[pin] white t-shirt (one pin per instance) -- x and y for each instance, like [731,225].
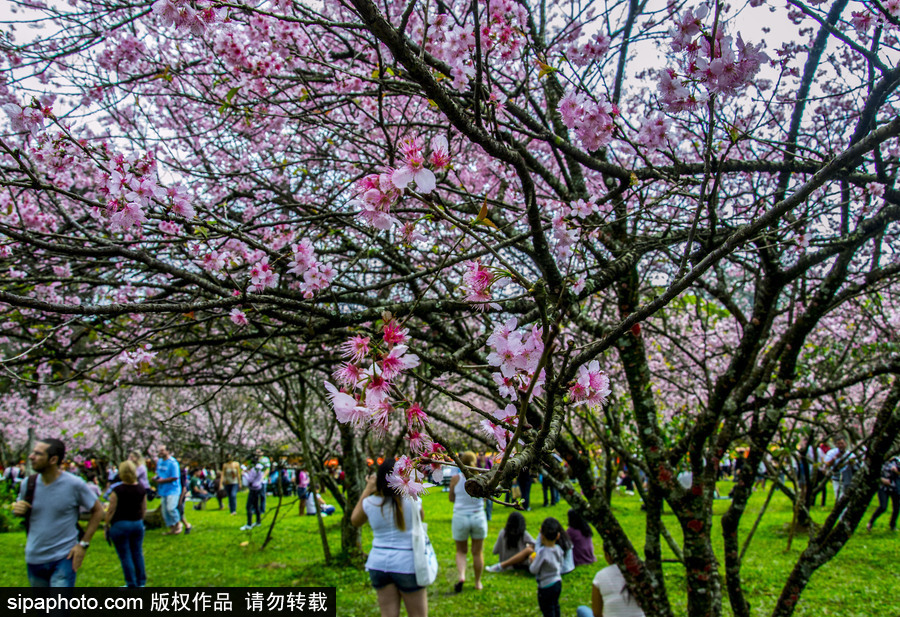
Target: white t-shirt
[391,548]
[616,603]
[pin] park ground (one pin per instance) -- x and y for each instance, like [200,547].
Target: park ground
[862,581]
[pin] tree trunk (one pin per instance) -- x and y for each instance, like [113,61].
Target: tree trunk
[354,466]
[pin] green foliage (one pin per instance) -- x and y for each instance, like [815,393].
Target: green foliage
[8,522]
[852,585]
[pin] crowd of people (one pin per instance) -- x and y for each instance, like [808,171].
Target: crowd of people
[58,495]
[391,564]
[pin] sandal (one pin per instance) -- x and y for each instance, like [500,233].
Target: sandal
[458,586]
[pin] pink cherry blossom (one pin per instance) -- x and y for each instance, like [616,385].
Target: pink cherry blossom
[396,361]
[413,170]
[346,408]
[262,276]
[238,317]
[356,348]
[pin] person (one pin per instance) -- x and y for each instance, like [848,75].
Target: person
[125,524]
[197,490]
[217,489]
[182,498]
[547,486]
[888,489]
[168,483]
[231,477]
[390,563]
[547,567]
[140,467]
[514,545]
[313,498]
[609,594]
[469,521]
[53,551]
[821,476]
[581,535]
[524,481]
[302,489]
[488,503]
[841,463]
[266,469]
[94,486]
[11,475]
[253,476]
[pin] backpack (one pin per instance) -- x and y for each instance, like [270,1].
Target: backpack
[29,497]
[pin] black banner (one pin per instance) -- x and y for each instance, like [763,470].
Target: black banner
[173,601]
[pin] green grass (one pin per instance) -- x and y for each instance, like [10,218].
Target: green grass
[860,582]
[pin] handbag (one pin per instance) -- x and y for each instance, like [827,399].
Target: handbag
[423,553]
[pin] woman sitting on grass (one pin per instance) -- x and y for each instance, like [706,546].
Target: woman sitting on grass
[609,594]
[390,564]
[514,545]
[581,535]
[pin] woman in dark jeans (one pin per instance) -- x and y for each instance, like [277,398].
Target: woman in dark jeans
[125,524]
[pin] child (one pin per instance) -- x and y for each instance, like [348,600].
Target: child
[547,566]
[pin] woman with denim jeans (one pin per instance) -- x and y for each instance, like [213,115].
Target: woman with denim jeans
[125,524]
[390,563]
[231,479]
[253,478]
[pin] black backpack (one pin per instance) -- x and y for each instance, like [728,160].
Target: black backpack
[29,497]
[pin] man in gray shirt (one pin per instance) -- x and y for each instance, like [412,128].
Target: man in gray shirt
[53,552]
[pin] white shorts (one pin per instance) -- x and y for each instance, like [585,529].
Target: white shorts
[467,525]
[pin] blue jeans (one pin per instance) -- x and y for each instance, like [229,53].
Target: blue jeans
[253,505]
[51,574]
[548,599]
[262,498]
[169,506]
[128,538]
[231,490]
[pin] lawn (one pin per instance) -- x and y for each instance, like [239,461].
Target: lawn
[860,582]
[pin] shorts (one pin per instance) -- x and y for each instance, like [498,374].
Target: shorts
[467,525]
[406,583]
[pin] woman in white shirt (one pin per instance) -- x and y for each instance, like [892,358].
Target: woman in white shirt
[390,564]
[609,594]
[469,521]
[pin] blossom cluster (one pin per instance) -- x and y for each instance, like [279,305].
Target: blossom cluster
[712,60]
[863,20]
[592,120]
[591,387]
[594,49]
[477,282]
[377,193]
[567,221]
[25,119]
[140,358]
[454,43]
[516,353]
[304,263]
[129,188]
[184,16]
[365,395]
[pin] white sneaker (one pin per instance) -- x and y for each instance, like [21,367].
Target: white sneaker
[246,527]
[255,525]
[495,568]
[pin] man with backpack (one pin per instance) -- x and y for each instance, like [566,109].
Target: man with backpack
[49,501]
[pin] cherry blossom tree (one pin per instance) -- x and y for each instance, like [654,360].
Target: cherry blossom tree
[540,224]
